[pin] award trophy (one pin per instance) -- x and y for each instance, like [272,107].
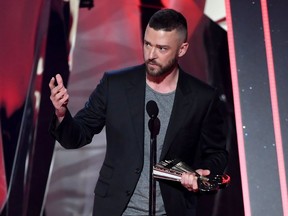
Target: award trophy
[173,169]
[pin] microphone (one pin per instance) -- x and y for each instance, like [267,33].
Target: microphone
[154,127]
[152,109]
[154,122]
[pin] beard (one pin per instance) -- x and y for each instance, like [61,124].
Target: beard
[158,70]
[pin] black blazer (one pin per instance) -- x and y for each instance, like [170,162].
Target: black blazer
[196,134]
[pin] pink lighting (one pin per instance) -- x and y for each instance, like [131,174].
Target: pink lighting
[275,108]
[237,107]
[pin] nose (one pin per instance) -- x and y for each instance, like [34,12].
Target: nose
[152,53]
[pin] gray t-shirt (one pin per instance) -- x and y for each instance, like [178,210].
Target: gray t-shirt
[139,202]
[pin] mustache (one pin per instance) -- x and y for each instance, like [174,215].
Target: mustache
[152,61]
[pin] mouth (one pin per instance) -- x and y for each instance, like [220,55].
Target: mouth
[153,64]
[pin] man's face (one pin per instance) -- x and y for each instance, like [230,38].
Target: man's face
[161,51]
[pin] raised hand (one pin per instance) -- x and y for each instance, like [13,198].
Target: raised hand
[59,96]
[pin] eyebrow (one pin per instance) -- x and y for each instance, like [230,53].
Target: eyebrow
[157,45]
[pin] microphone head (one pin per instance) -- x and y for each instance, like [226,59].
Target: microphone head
[152,109]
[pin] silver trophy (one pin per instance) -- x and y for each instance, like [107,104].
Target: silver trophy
[173,169]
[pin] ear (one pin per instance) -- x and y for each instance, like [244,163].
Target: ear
[183,49]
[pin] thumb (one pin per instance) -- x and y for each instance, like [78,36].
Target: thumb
[203,172]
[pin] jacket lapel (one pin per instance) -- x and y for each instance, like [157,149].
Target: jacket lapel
[181,106]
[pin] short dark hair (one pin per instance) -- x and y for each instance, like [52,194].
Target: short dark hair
[168,20]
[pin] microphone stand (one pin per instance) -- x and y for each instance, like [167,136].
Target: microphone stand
[154,127]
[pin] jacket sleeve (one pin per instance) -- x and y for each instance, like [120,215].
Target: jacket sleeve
[75,132]
[213,137]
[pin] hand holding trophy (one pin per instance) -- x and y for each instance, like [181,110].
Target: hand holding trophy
[173,169]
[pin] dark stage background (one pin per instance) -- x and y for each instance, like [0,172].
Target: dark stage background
[258,44]
[41,38]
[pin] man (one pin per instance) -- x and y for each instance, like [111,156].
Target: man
[192,125]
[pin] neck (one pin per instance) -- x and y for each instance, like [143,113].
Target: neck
[164,84]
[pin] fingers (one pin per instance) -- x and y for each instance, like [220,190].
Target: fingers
[59,80]
[59,95]
[52,83]
[189,181]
